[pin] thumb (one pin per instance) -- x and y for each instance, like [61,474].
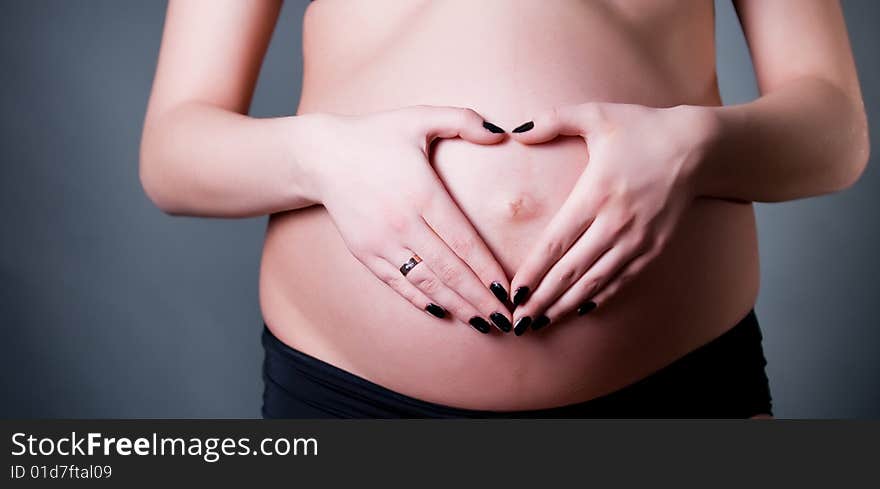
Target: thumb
[571,120]
[452,122]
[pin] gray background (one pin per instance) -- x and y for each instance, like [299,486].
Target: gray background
[109,308]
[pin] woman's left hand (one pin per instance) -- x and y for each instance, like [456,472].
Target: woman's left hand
[622,211]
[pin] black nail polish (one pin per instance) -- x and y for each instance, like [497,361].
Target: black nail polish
[525,127]
[522,324]
[501,321]
[520,295]
[480,324]
[492,127]
[540,322]
[499,291]
[586,307]
[436,310]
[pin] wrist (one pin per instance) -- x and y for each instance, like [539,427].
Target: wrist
[701,126]
[304,139]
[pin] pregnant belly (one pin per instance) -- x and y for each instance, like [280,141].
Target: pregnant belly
[316,297]
[510,191]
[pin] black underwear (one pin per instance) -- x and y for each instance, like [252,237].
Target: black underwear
[724,378]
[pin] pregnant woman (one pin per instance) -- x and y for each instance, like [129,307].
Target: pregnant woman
[512,208]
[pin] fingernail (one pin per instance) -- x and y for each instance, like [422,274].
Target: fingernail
[522,324]
[586,307]
[525,127]
[480,324]
[520,295]
[499,291]
[436,310]
[501,321]
[540,322]
[492,127]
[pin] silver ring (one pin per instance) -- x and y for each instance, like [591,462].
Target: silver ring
[410,264]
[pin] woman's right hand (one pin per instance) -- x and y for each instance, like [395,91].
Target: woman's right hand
[373,175]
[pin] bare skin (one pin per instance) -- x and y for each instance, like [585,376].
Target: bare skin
[632,189]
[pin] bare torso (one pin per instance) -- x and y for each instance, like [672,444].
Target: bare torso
[508,60]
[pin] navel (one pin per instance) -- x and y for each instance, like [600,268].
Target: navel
[521,206]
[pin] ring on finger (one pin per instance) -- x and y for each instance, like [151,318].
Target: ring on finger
[410,264]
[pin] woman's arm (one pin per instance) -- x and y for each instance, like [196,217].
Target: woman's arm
[201,160]
[200,155]
[807,134]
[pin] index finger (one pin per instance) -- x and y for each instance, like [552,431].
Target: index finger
[571,221]
[449,222]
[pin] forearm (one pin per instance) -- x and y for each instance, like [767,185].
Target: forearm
[203,160]
[805,138]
